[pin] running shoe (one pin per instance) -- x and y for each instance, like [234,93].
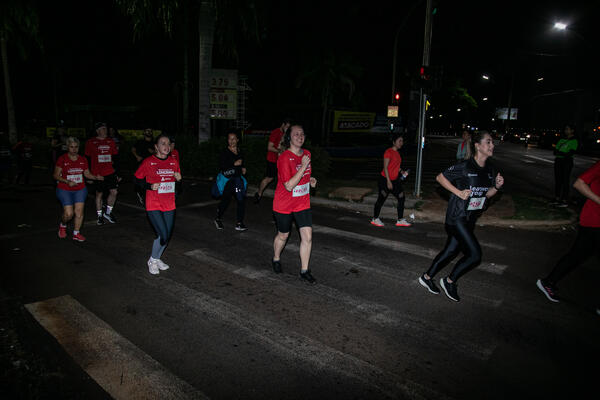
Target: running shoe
[548,290]
[240,227]
[161,265]
[277,267]
[100,220]
[79,237]
[62,231]
[219,223]
[429,284]
[376,222]
[110,218]
[307,277]
[403,222]
[153,266]
[257,198]
[450,289]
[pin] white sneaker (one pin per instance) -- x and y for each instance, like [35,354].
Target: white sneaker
[403,222]
[376,222]
[153,266]
[161,265]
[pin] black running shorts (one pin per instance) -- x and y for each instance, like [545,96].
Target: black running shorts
[109,182]
[284,221]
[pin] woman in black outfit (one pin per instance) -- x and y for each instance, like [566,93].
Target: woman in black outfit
[471,183]
[231,164]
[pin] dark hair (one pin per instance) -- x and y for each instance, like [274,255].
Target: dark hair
[162,135]
[396,135]
[287,136]
[286,120]
[477,137]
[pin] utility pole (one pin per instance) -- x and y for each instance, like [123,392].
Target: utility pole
[423,95]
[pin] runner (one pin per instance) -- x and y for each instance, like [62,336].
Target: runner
[563,164]
[159,175]
[70,189]
[390,181]
[587,242]
[273,150]
[100,152]
[463,151]
[292,199]
[174,152]
[471,183]
[233,171]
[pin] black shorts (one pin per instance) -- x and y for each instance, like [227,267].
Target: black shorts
[284,221]
[271,171]
[397,187]
[109,182]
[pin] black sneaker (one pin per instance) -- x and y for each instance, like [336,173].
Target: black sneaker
[100,220]
[307,277]
[277,267]
[450,289]
[256,198]
[240,227]
[219,223]
[428,283]
[110,218]
[548,290]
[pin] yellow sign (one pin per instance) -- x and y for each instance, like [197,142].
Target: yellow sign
[427,104]
[351,121]
[392,111]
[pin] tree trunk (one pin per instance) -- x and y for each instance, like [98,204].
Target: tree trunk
[206,23]
[10,105]
[186,74]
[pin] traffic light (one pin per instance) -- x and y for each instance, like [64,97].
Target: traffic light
[397,96]
[430,76]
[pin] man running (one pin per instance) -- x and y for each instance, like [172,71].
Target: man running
[100,152]
[273,150]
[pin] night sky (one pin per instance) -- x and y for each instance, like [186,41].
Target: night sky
[89,57]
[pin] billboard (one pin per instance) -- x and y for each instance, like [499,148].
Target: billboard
[223,93]
[352,121]
[502,112]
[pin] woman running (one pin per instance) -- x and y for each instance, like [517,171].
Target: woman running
[471,183]
[158,175]
[292,199]
[390,181]
[69,171]
[232,167]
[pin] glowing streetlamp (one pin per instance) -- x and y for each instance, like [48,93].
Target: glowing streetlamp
[561,26]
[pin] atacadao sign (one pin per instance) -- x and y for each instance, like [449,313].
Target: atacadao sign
[352,121]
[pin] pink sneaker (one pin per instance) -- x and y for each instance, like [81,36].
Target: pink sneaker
[62,232]
[376,222]
[79,237]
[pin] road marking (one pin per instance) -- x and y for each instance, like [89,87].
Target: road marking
[201,204]
[292,345]
[122,369]
[539,158]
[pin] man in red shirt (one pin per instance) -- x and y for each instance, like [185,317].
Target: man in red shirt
[587,242]
[273,150]
[101,152]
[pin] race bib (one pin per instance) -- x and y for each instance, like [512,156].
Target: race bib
[104,158]
[75,178]
[166,187]
[476,203]
[301,190]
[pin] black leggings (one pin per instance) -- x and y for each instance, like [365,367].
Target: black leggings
[460,239]
[587,243]
[562,177]
[240,196]
[396,191]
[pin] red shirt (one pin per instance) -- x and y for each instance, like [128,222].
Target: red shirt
[394,165]
[275,138]
[590,213]
[299,198]
[72,171]
[24,150]
[175,154]
[155,170]
[100,152]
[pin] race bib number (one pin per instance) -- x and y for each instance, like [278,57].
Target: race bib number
[476,203]
[301,190]
[104,158]
[75,178]
[166,187]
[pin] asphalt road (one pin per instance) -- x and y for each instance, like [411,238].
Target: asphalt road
[221,322]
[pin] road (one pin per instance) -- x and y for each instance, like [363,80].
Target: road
[220,324]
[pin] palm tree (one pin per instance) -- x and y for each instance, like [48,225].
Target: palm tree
[18,22]
[326,78]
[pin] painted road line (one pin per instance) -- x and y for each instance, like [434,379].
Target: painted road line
[200,204]
[377,313]
[540,158]
[121,368]
[395,245]
[291,345]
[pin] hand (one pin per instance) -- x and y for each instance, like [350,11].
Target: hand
[237,163]
[464,194]
[99,178]
[71,183]
[499,181]
[313,182]
[390,185]
[177,176]
[305,161]
[405,173]
[243,171]
[155,186]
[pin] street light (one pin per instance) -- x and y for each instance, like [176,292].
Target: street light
[561,26]
[484,99]
[540,79]
[486,77]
